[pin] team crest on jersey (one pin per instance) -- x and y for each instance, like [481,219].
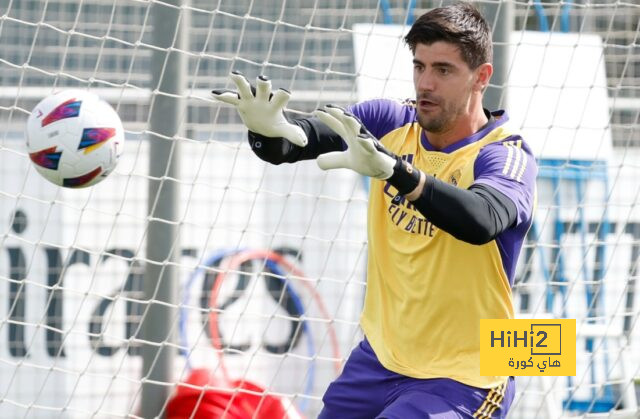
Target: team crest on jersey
[455,177]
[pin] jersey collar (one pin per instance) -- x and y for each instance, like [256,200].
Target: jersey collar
[496,118]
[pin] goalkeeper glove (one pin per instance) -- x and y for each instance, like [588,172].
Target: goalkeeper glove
[365,154]
[262,111]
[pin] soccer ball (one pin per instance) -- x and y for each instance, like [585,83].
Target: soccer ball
[74,138]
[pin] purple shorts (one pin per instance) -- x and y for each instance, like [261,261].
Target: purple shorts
[366,389]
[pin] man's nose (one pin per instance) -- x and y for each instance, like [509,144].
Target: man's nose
[425,82]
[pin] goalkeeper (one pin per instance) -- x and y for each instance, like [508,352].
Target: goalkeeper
[450,203]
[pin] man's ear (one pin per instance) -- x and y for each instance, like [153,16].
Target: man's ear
[483,75]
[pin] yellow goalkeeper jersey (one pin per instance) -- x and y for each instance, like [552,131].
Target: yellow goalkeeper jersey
[426,290]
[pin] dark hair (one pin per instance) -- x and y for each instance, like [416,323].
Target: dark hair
[460,24]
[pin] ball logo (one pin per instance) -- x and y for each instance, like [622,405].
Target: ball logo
[68,109]
[93,138]
[48,158]
[79,181]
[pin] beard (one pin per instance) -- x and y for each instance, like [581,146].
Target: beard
[447,113]
[435,124]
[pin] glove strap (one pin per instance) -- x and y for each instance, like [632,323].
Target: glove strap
[405,177]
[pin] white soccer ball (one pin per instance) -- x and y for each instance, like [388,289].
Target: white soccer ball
[74,138]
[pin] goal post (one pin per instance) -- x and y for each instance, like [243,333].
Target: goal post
[253,275]
[161,281]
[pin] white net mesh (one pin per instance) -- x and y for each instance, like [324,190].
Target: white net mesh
[272,258]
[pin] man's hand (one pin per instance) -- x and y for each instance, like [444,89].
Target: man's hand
[365,154]
[262,113]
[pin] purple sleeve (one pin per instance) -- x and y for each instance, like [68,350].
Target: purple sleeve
[381,116]
[509,167]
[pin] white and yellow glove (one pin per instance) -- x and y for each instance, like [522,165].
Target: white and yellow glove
[261,110]
[364,154]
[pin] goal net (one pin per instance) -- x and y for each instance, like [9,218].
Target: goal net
[256,304]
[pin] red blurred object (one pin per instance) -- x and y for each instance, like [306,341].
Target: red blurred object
[226,399]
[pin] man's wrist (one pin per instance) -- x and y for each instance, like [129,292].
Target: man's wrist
[415,194]
[405,178]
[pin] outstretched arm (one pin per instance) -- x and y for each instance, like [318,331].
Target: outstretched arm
[475,215]
[275,136]
[320,140]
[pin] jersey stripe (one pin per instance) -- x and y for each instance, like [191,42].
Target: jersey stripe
[523,166]
[516,163]
[491,402]
[479,413]
[505,169]
[498,401]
